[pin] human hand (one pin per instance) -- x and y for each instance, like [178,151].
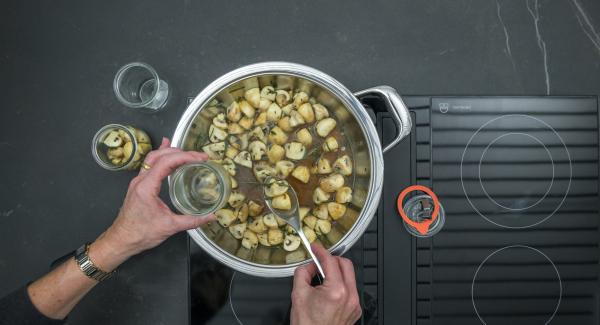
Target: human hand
[144,220]
[335,302]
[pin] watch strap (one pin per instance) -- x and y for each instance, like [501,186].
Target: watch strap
[87,266]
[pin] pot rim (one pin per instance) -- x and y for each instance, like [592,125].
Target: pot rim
[350,102]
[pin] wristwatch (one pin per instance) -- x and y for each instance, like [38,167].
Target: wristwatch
[87,266]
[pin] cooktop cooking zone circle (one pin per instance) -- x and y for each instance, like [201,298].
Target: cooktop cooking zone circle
[508,178]
[517,280]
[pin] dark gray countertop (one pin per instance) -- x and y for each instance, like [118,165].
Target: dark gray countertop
[58,59]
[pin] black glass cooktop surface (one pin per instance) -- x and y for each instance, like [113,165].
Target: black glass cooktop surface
[518,178]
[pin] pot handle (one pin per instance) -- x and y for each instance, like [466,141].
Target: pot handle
[394,105]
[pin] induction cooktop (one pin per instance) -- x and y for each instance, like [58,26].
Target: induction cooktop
[518,178]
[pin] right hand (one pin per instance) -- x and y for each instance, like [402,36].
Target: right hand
[335,302]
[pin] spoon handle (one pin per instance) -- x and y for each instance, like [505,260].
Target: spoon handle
[312,255]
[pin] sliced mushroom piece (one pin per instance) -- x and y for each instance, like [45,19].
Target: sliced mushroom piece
[263,239]
[257,149]
[229,166]
[234,113]
[262,170]
[276,187]
[254,209]
[282,97]
[304,136]
[247,109]
[144,148]
[213,150]
[275,153]
[296,256]
[303,212]
[141,136]
[250,240]
[237,231]
[324,166]
[295,150]
[220,121]
[113,140]
[216,135]
[330,144]
[270,220]
[261,119]
[296,119]
[343,195]
[239,142]
[268,92]
[343,165]
[325,126]
[231,152]
[321,212]
[291,243]
[284,168]
[225,217]
[118,152]
[284,124]
[332,183]
[290,230]
[320,112]
[243,159]
[274,113]
[275,236]
[300,98]
[246,123]
[310,234]
[234,183]
[276,135]
[320,196]
[336,210]
[323,227]
[264,105]
[124,135]
[241,212]
[307,112]
[253,97]
[116,161]
[257,225]
[235,128]
[287,109]
[259,133]
[236,199]
[310,221]
[282,202]
[302,174]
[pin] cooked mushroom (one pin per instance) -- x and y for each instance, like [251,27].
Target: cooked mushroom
[253,97]
[284,168]
[332,183]
[140,136]
[270,220]
[282,202]
[236,199]
[291,243]
[323,227]
[257,149]
[241,212]
[257,225]
[231,152]
[113,140]
[276,135]
[234,183]
[273,113]
[246,123]
[220,121]
[307,112]
[296,119]
[295,150]
[113,153]
[302,174]
[284,124]
[237,231]
[323,166]
[215,134]
[144,148]
[304,136]
[275,187]
[263,239]
[247,109]
[239,142]
[300,98]
[302,212]
[262,170]
[309,233]
[250,240]
[275,236]
[259,133]
[213,150]
[320,196]
[124,135]
[234,113]
[243,159]
[343,165]
[225,217]
[330,144]
[261,119]
[343,195]
[254,209]
[336,210]
[235,128]
[229,166]
[287,109]
[310,221]
[264,104]
[325,126]
[268,92]
[296,256]
[321,212]
[275,153]
[320,112]
[282,97]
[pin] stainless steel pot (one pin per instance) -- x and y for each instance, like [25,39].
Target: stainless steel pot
[358,129]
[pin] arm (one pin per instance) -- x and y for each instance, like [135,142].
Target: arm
[335,302]
[144,222]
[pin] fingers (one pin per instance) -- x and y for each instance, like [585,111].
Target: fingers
[166,164]
[165,143]
[303,276]
[348,275]
[331,268]
[185,222]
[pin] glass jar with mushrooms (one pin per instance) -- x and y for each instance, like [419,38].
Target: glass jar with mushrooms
[119,147]
[292,139]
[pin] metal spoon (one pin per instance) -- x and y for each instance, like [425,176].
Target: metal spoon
[292,218]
